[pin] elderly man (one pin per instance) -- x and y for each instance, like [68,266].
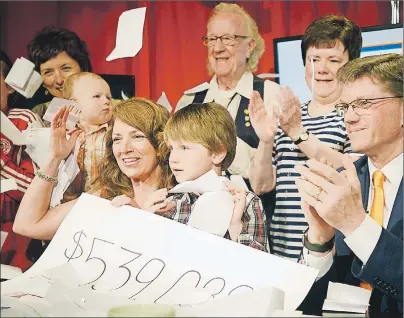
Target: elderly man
[234,50]
[355,216]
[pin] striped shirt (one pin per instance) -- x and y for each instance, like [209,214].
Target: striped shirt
[288,222]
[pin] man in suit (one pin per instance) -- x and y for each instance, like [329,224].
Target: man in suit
[355,214]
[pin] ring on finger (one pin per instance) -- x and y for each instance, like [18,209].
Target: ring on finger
[317,195]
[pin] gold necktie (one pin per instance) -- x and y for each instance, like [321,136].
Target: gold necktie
[377,210]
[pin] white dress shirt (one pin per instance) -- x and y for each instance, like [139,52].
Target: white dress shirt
[231,100]
[364,239]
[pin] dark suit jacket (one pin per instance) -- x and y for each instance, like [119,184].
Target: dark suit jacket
[383,270]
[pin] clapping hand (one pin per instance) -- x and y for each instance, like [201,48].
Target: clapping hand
[264,123]
[291,118]
[334,196]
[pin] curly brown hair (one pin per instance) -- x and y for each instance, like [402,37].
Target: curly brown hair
[148,117]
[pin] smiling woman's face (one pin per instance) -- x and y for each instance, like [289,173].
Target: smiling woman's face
[135,155]
[326,61]
[55,71]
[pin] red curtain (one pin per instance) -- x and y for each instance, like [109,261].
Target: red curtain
[173,57]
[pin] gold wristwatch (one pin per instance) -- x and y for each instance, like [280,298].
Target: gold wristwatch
[303,136]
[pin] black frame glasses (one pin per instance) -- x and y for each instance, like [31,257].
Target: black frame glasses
[364,104]
[226,39]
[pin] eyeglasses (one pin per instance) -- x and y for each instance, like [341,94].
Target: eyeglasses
[359,106]
[228,40]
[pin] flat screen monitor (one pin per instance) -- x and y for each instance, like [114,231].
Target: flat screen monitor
[288,59]
[121,85]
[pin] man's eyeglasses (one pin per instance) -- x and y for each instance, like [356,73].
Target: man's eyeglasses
[227,39]
[359,106]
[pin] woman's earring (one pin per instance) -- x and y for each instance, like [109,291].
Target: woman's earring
[46,92]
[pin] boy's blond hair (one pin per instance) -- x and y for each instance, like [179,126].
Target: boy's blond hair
[208,124]
[68,86]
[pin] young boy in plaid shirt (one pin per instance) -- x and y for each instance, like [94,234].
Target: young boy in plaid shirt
[202,137]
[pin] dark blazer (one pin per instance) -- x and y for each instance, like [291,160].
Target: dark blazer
[383,270]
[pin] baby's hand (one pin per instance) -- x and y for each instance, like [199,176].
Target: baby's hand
[123,200]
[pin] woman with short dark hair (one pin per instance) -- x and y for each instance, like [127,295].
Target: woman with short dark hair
[57,53]
[313,129]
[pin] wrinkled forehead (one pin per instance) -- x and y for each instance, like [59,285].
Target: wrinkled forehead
[362,88]
[227,23]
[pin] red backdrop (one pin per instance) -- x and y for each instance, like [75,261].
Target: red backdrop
[173,57]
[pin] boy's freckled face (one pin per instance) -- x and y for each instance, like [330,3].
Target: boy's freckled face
[189,160]
[94,97]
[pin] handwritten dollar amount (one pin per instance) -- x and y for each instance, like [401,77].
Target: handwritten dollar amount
[79,249]
[147,274]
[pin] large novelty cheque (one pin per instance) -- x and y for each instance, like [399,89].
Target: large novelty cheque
[145,257]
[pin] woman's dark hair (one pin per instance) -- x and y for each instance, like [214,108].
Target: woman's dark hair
[6,63]
[326,30]
[51,41]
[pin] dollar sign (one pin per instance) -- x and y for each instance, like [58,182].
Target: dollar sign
[77,241]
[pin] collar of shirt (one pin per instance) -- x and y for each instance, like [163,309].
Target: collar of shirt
[244,87]
[98,129]
[393,171]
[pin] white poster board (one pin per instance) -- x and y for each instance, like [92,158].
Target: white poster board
[146,257]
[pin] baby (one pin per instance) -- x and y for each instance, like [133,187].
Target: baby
[93,94]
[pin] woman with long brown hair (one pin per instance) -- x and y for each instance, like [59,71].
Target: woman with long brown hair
[135,165]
